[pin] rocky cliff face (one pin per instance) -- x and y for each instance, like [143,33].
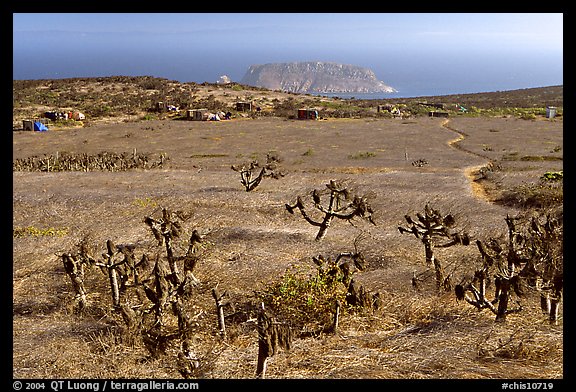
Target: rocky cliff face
[315,77]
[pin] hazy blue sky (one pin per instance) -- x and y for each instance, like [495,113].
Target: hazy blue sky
[401,48]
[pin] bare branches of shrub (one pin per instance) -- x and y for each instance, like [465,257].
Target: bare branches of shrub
[532,257]
[545,269]
[429,228]
[154,304]
[342,204]
[272,336]
[248,176]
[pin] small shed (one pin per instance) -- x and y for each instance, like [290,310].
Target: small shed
[386,107]
[307,114]
[197,114]
[550,111]
[28,125]
[244,106]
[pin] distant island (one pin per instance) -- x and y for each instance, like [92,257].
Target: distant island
[315,77]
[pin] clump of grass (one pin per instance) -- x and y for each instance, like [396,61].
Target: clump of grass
[553,176]
[362,155]
[31,231]
[539,195]
[524,343]
[146,202]
[528,116]
[209,155]
[540,158]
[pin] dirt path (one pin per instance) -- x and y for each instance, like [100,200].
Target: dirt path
[470,171]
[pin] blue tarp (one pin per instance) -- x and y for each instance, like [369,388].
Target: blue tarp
[38,126]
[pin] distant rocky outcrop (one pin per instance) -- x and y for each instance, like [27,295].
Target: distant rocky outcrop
[224,79]
[315,77]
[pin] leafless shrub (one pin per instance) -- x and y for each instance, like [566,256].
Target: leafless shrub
[429,228]
[150,304]
[272,336]
[419,162]
[531,257]
[342,205]
[248,170]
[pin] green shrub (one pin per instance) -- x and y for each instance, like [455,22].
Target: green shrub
[528,116]
[31,231]
[553,176]
[146,202]
[304,299]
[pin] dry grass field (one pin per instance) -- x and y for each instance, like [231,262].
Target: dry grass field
[251,242]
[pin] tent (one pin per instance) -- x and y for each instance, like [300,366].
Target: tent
[38,126]
[78,116]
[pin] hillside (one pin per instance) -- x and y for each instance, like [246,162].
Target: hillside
[124,98]
[315,77]
[521,98]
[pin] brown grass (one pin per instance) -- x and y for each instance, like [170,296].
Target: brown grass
[253,241]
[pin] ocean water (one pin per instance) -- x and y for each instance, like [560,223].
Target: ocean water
[412,72]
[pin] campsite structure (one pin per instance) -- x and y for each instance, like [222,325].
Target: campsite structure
[34,125]
[162,106]
[64,115]
[197,114]
[205,115]
[243,106]
[308,114]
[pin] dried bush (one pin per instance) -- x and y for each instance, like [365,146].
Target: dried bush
[542,195]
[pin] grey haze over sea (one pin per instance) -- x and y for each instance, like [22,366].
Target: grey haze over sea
[413,73]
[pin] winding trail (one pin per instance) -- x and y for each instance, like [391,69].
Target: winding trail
[469,171]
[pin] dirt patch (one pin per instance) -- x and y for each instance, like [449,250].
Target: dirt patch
[477,189]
